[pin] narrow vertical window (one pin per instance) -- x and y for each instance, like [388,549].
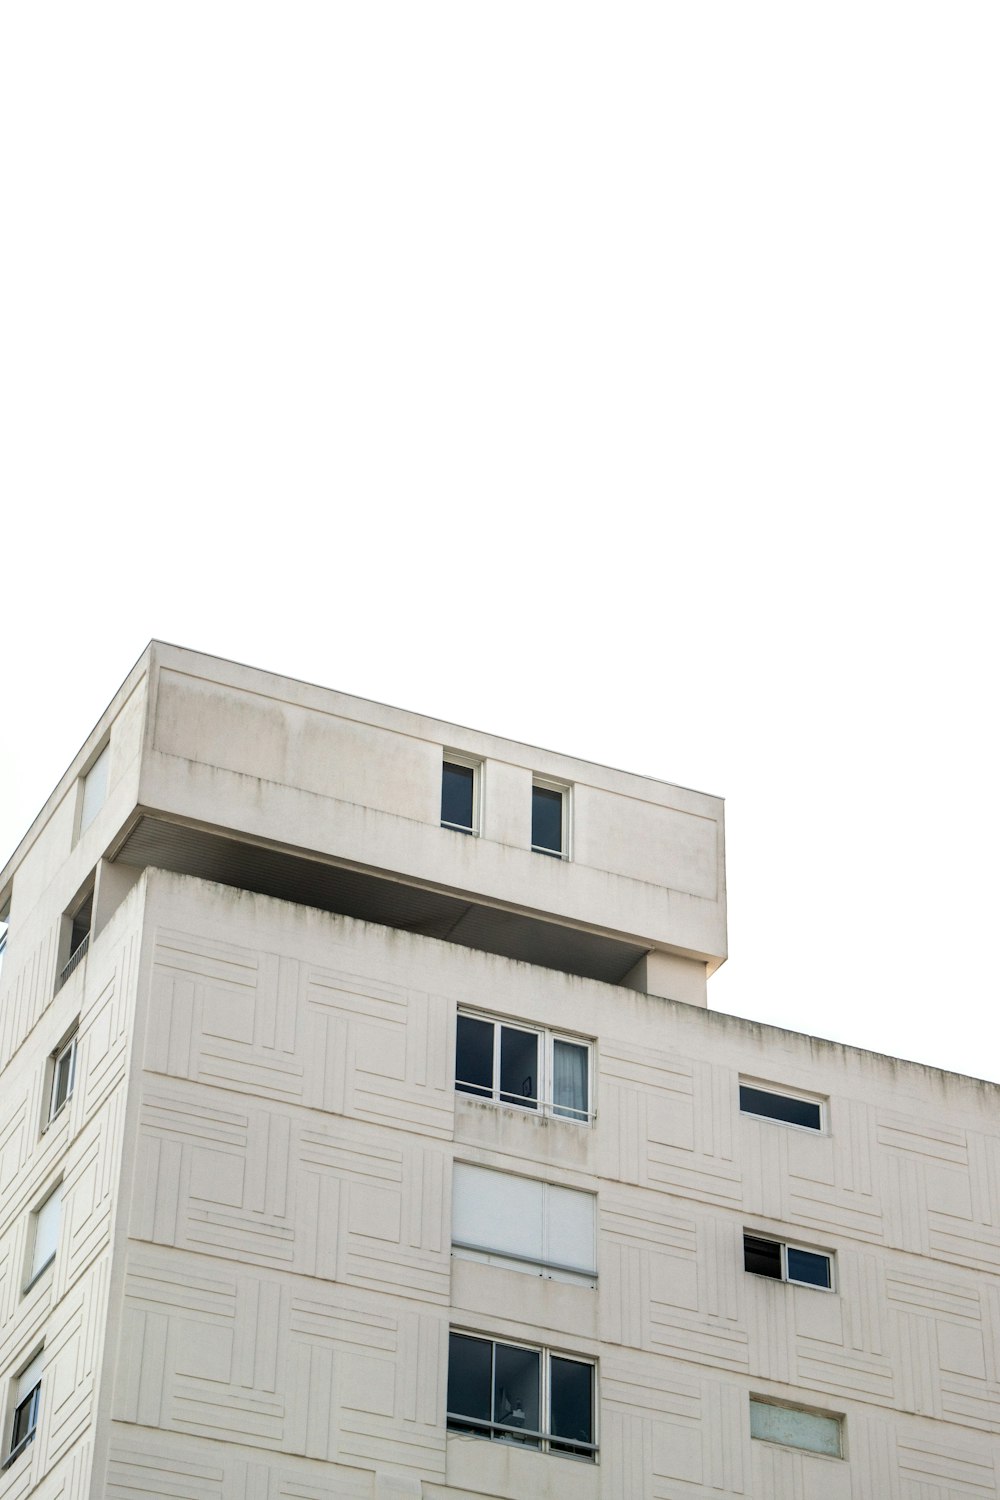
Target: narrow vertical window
[63,1075]
[45,1234]
[458,796]
[4,924]
[572,1401]
[548,820]
[27,1400]
[474,1056]
[519,1067]
[95,789]
[570,1083]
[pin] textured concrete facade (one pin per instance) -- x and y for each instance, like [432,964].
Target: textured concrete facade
[254,1282]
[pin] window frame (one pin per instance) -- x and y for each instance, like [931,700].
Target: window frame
[467,763]
[809,1411]
[545,1106]
[103,754]
[542,1439]
[784,1246]
[5,901]
[546,784]
[801,1096]
[69,1044]
[33,1272]
[31,1399]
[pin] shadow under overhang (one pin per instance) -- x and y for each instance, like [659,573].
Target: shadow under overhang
[375,897]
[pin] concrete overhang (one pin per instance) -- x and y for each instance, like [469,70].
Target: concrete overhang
[372,896]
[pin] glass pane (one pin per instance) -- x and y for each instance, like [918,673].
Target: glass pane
[474,1057]
[780,1107]
[807,1266]
[796,1429]
[62,1082]
[572,1415]
[25,1418]
[46,1231]
[546,819]
[569,1080]
[457,787]
[95,788]
[469,1377]
[515,1392]
[762,1257]
[519,1066]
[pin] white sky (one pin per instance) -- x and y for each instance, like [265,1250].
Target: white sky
[622,378]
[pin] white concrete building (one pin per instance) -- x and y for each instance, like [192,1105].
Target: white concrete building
[364,1135]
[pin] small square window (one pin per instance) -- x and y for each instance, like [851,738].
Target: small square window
[63,1075]
[763,1257]
[460,794]
[775,1104]
[44,1234]
[549,819]
[27,1396]
[793,1427]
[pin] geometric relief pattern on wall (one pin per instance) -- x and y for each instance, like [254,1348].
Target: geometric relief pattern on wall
[964,1206]
[933,1470]
[279,1028]
[843,1342]
[945,1348]
[923,1161]
[163,1468]
[667,1123]
[337,1199]
[327,1373]
[668,1437]
[833,1180]
[668,1283]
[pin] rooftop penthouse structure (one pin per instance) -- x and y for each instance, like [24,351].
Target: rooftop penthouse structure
[365,1135]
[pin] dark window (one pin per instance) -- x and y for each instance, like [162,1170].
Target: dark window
[25,1422]
[783,1107]
[458,797]
[785,1262]
[546,820]
[533,1069]
[63,1076]
[519,1067]
[762,1257]
[572,1414]
[474,1057]
[517,1395]
[807,1266]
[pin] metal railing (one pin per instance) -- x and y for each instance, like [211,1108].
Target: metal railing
[527,1435]
[76,957]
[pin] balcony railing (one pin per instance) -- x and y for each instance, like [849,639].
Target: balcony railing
[76,957]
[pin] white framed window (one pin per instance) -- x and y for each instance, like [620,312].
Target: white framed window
[24,1408]
[516,1393]
[550,818]
[4,928]
[524,1225]
[797,1427]
[94,788]
[44,1236]
[781,1262]
[461,789]
[786,1107]
[62,1076]
[526,1066]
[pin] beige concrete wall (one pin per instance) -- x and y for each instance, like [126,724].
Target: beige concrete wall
[67,1308]
[289,1285]
[308,767]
